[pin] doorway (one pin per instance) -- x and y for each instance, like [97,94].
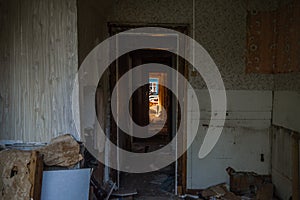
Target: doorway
[149,103]
[152,103]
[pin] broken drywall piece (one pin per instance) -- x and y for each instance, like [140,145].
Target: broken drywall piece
[66,184]
[219,192]
[62,151]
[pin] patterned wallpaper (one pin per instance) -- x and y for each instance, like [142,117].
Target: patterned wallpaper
[289,81]
[152,11]
[220,29]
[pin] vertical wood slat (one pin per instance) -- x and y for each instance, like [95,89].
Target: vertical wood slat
[38,62]
[36,175]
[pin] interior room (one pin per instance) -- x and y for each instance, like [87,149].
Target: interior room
[149,100]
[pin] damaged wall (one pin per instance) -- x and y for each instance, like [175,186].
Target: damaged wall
[282,162]
[220,27]
[92,26]
[286,110]
[39,59]
[38,45]
[286,114]
[92,30]
[244,143]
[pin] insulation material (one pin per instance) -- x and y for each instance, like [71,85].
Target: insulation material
[62,151]
[14,168]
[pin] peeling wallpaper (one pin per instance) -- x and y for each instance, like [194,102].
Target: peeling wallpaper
[287,81]
[220,29]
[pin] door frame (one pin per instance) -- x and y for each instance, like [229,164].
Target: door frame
[181,163]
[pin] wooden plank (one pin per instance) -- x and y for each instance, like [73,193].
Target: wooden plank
[36,175]
[183,169]
[124,193]
[32,168]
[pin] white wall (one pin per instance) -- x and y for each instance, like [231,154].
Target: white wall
[245,137]
[286,110]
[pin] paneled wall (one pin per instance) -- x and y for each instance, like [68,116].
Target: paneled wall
[286,114]
[38,62]
[282,162]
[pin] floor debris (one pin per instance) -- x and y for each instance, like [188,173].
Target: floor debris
[22,164]
[124,194]
[21,173]
[189,196]
[250,184]
[110,188]
[265,192]
[62,151]
[219,192]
